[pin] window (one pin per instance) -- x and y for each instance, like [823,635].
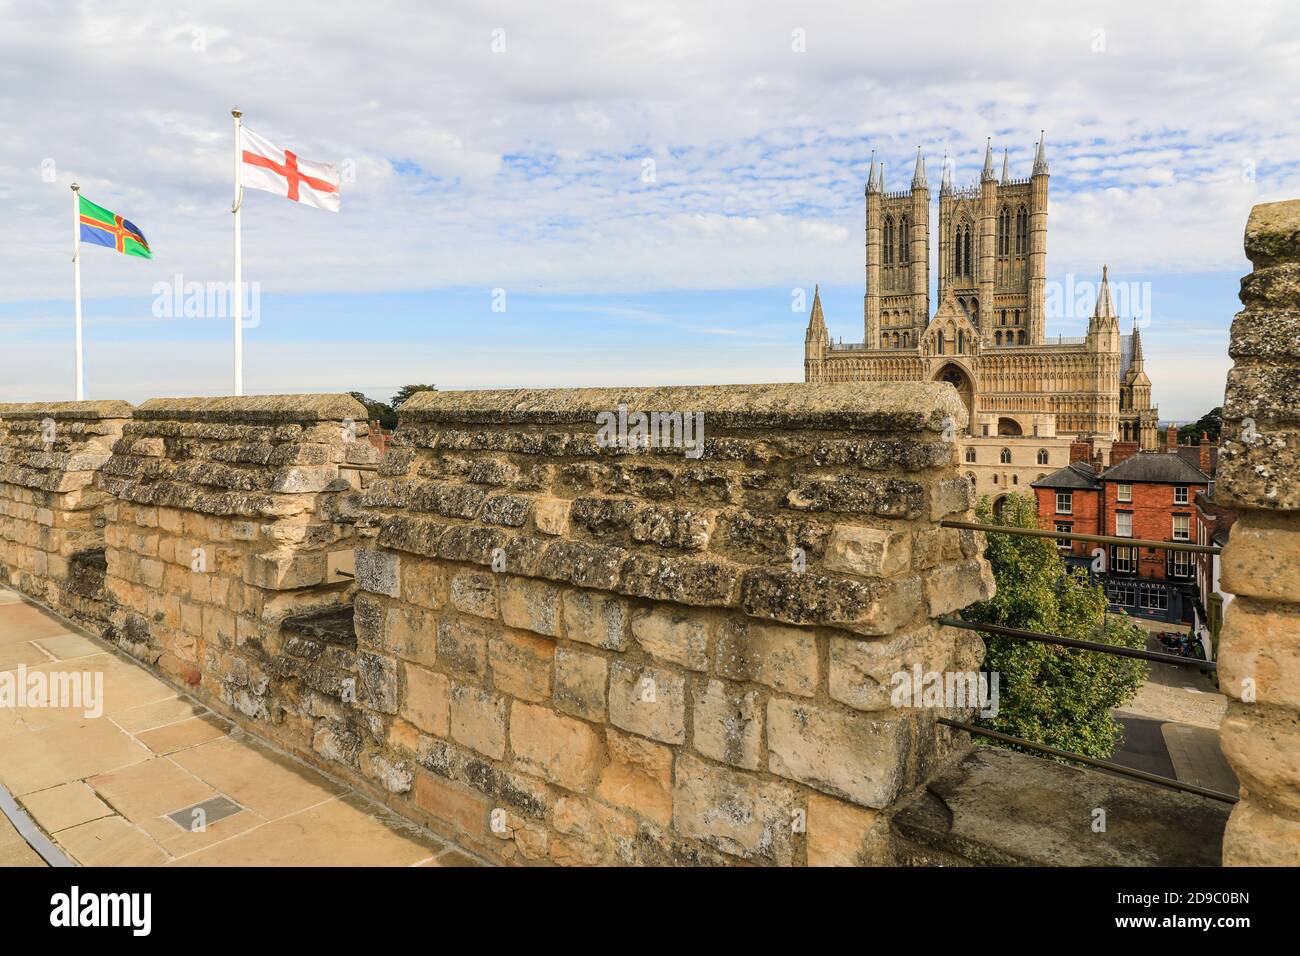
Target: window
[1155,598]
[1067,527]
[1123,560]
[1180,564]
[889,241]
[1120,593]
[995,479]
[1015,479]
[1064,502]
[1022,231]
[904,240]
[1124,492]
[1180,494]
[1004,233]
[970,455]
[1182,528]
[1123,524]
[1042,454]
[1005,456]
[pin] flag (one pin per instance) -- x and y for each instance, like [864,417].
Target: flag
[99,227]
[267,166]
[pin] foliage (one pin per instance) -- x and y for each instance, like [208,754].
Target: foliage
[1210,423]
[406,391]
[1049,694]
[377,411]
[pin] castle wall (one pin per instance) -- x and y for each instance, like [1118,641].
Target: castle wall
[1259,649]
[51,513]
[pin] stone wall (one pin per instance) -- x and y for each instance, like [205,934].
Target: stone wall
[574,653]
[222,526]
[51,513]
[1259,461]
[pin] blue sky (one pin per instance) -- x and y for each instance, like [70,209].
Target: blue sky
[649,185]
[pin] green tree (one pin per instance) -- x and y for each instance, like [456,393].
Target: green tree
[1049,694]
[1211,423]
[406,391]
[377,411]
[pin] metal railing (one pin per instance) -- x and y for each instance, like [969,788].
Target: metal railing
[1018,634]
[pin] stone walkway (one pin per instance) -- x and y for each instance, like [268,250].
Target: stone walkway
[159,779]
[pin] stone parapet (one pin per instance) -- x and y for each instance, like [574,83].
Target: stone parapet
[572,650]
[51,513]
[1259,461]
[221,526]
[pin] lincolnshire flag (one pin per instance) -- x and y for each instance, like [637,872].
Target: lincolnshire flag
[267,166]
[100,227]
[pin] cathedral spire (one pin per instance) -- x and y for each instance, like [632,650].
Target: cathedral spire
[817,321]
[918,176]
[872,185]
[987,175]
[1135,363]
[1105,307]
[1006,166]
[880,181]
[945,186]
[1040,159]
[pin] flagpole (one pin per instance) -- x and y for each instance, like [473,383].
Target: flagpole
[239,289]
[76,283]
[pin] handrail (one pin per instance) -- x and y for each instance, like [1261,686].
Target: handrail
[1044,638]
[1072,536]
[1091,761]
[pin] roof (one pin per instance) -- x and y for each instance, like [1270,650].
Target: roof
[1157,467]
[1192,455]
[1077,474]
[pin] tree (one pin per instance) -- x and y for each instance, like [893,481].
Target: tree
[1211,423]
[1053,695]
[377,411]
[406,391]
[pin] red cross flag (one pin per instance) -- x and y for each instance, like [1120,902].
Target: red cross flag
[267,166]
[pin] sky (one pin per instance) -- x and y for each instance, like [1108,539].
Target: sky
[606,193]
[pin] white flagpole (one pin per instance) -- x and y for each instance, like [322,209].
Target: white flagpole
[239,288]
[76,282]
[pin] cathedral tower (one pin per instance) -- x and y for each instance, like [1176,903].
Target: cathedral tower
[896,307]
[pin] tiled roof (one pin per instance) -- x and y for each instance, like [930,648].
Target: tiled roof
[1078,474]
[1155,466]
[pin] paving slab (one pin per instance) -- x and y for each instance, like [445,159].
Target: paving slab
[157,778]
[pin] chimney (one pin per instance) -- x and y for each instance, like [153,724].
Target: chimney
[1205,452]
[1081,450]
[1122,451]
[1171,439]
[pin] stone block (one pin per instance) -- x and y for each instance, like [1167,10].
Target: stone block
[735,812]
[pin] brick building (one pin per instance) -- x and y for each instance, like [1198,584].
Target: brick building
[1146,495]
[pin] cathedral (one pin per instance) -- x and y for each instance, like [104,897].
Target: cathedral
[988,336]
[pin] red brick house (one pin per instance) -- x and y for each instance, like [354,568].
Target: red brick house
[1149,495]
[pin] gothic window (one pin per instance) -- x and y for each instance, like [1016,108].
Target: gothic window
[961,260]
[1016,320]
[997,338]
[1005,456]
[970,455]
[1022,232]
[889,240]
[1003,320]
[1022,338]
[1004,233]
[904,239]
[907,340]
[938,341]
[1042,456]
[961,341]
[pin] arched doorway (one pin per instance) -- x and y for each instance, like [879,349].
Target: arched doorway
[957,377]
